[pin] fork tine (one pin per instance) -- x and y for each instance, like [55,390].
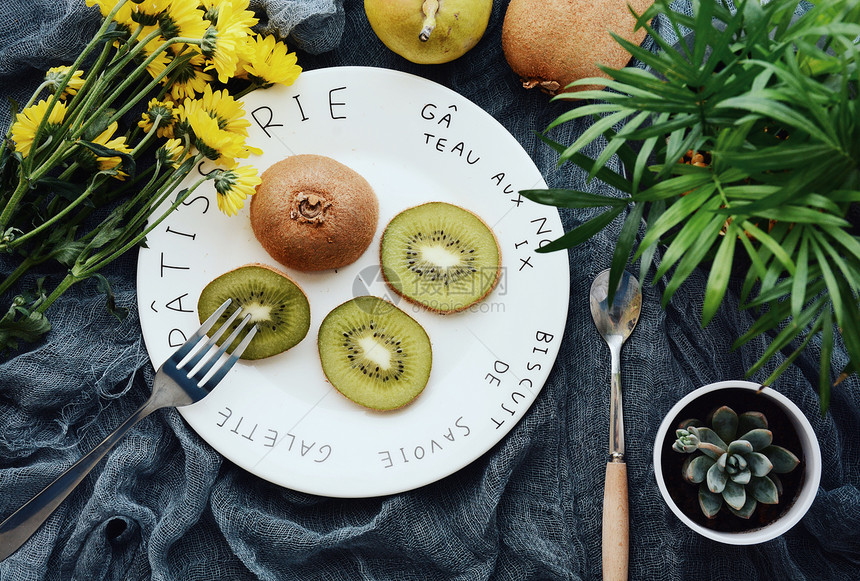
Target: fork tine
[198,357]
[230,361]
[201,373]
[189,344]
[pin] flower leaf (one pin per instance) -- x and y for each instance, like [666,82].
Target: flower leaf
[709,502]
[695,468]
[764,490]
[782,459]
[758,439]
[759,464]
[724,422]
[750,421]
[734,494]
[747,509]
[716,478]
[23,323]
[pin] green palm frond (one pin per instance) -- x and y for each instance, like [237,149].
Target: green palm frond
[773,101]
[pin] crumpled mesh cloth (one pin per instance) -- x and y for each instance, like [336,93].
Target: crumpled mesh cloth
[163,505]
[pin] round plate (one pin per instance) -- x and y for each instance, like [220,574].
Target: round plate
[414,141]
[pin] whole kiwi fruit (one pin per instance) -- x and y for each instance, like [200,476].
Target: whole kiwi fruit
[551,43]
[313,213]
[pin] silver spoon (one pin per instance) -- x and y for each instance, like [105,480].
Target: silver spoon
[615,323]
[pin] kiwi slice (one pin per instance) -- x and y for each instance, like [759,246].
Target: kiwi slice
[374,353]
[277,306]
[441,256]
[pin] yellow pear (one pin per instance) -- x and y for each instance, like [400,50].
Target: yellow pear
[551,43]
[429,31]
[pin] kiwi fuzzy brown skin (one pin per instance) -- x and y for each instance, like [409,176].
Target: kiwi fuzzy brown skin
[552,43]
[314,213]
[430,307]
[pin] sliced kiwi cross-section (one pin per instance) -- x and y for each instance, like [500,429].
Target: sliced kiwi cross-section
[441,256]
[374,353]
[276,304]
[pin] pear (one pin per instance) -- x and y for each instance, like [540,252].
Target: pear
[551,43]
[429,31]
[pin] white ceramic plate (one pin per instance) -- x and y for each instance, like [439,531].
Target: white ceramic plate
[414,141]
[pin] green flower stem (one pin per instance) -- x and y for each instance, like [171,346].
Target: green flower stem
[88,92]
[154,82]
[141,145]
[99,260]
[14,199]
[134,75]
[28,262]
[85,115]
[56,157]
[94,184]
[64,285]
[97,38]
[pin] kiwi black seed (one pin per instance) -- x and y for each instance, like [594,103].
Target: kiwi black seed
[277,305]
[374,353]
[440,256]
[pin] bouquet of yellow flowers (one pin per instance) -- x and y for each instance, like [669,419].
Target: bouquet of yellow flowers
[85,175]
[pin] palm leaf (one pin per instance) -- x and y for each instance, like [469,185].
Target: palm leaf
[721,270]
[563,198]
[583,232]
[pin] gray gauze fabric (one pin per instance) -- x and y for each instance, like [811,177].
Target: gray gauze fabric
[163,505]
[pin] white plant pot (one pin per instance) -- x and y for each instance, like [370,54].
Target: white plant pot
[810,454]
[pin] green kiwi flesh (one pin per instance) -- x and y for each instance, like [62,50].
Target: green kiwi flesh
[277,306]
[374,353]
[440,256]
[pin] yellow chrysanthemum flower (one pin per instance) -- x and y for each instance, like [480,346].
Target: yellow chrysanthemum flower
[210,9]
[233,186]
[269,62]
[224,42]
[148,12]
[173,152]
[213,142]
[28,121]
[189,79]
[160,61]
[56,76]
[123,15]
[183,18]
[161,111]
[106,139]
[222,107]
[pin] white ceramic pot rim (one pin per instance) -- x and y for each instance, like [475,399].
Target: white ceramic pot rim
[810,450]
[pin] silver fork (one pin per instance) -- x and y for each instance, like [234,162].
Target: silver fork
[183,379]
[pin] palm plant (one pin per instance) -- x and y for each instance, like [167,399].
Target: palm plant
[768,104]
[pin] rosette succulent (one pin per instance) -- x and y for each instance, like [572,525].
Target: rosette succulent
[734,461]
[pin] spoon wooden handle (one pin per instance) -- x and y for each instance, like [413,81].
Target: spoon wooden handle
[616,526]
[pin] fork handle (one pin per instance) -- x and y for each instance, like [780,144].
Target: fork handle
[21,524]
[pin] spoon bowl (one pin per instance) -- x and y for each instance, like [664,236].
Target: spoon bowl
[615,322]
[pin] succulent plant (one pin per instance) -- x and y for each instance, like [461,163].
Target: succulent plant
[733,461]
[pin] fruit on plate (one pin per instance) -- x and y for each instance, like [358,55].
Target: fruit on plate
[551,43]
[277,305]
[440,256]
[313,213]
[429,31]
[374,353]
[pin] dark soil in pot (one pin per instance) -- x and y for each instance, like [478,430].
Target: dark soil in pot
[685,494]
